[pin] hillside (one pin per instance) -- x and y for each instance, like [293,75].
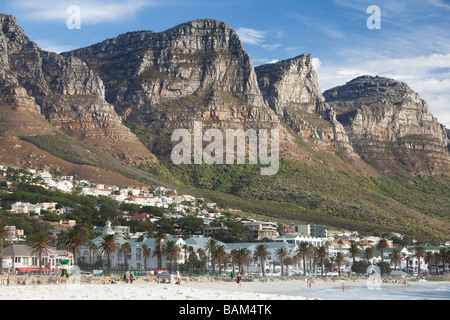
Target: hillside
[365,156]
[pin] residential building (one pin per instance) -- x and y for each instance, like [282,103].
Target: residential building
[311,230]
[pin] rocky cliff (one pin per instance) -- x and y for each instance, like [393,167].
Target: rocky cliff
[66,92]
[164,75]
[390,126]
[291,88]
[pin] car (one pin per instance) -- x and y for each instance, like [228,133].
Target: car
[85,273]
[163,275]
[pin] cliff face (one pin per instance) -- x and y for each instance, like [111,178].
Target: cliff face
[66,92]
[291,88]
[197,70]
[389,125]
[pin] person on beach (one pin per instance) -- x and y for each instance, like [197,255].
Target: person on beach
[178,277]
[132,278]
[343,286]
[239,279]
[65,269]
[126,276]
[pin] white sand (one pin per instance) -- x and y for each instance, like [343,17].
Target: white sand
[142,290]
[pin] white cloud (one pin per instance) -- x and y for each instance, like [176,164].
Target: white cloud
[92,11]
[251,36]
[257,37]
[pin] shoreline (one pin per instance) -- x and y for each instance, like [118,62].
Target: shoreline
[143,289]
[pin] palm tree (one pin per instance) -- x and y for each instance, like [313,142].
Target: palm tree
[92,250]
[4,234]
[407,259]
[172,252]
[381,246]
[288,261]
[321,254]
[126,249]
[302,250]
[73,239]
[419,252]
[108,246]
[146,251]
[281,254]
[220,255]
[354,250]
[444,254]
[339,260]
[160,237]
[429,258]
[241,257]
[40,245]
[210,246]
[311,254]
[369,254]
[396,258]
[262,253]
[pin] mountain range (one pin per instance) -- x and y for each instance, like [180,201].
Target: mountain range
[367,155]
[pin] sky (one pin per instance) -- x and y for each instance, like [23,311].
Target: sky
[406,40]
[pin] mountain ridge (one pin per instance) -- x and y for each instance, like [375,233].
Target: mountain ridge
[113,106]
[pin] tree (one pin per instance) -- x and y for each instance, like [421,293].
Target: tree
[302,250]
[4,234]
[92,250]
[126,249]
[172,252]
[262,253]
[369,254]
[396,258]
[281,254]
[381,246]
[210,246]
[73,239]
[160,237]
[108,246]
[419,252]
[241,257]
[146,251]
[220,255]
[40,245]
[339,260]
[354,250]
[321,255]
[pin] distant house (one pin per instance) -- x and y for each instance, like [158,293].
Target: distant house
[27,208]
[20,259]
[140,217]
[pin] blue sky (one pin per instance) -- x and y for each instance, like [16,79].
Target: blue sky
[413,44]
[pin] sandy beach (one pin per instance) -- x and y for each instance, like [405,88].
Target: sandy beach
[215,290]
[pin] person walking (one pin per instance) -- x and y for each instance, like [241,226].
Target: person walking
[65,269]
[239,279]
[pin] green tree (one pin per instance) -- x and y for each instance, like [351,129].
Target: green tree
[126,249]
[40,244]
[381,246]
[73,239]
[281,254]
[262,253]
[322,254]
[108,246]
[302,250]
[4,234]
[172,252]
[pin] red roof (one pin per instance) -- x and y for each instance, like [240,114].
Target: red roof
[287,230]
[139,216]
